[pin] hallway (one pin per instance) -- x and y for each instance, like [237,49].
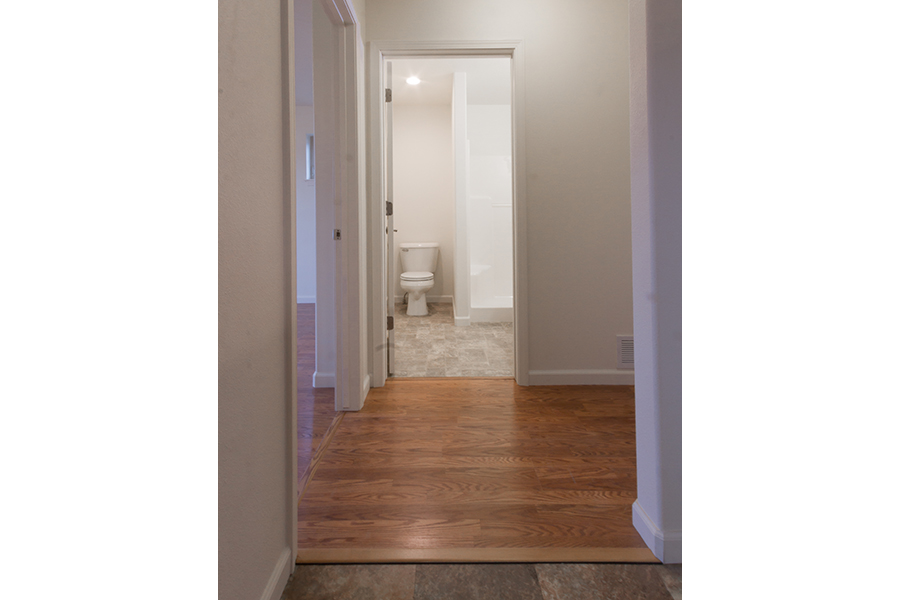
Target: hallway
[469,471]
[477,470]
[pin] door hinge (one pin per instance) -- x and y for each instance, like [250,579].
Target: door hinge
[390,324]
[389,208]
[337,235]
[387,95]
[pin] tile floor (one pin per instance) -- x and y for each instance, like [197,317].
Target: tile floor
[553,581]
[433,346]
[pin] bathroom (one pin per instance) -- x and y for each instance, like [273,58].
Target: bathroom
[458,113]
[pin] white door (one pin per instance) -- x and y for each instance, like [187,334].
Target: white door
[389,215]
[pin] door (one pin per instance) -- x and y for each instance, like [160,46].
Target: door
[389,216]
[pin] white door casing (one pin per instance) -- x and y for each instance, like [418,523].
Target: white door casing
[349,380]
[378,54]
[389,218]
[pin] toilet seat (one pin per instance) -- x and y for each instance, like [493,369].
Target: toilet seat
[416,276]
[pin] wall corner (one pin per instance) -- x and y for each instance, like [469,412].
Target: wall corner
[665,545]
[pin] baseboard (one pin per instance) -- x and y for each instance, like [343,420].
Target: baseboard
[581,377]
[366,386]
[306,299]
[459,321]
[323,380]
[279,577]
[665,545]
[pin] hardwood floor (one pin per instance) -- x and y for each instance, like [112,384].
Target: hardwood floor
[315,406]
[477,470]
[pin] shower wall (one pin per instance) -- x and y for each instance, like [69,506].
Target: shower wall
[489,212]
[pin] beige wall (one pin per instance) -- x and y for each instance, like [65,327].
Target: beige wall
[256,472]
[423,187]
[577,136]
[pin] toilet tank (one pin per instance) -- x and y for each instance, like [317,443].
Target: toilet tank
[418,256]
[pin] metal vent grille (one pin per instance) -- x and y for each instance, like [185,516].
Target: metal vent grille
[625,353]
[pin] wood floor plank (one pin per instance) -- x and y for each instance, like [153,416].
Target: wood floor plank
[345,458]
[315,406]
[441,467]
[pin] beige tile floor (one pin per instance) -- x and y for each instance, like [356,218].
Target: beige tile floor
[432,346]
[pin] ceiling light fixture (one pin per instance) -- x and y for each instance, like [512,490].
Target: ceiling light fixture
[413,80]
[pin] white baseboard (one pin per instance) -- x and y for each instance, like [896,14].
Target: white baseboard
[366,386]
[323,380]
[279,577]
[581,377]
[306,299]
[665,545]
[459,321]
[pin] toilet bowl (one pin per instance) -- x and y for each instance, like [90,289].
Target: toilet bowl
[416,284]
[418,261]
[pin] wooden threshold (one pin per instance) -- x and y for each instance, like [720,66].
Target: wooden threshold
[474,555]
[317,457]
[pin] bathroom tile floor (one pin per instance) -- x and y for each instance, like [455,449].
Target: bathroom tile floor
[518,581]
[432,346]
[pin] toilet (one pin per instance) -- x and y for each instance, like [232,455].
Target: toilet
[418,261]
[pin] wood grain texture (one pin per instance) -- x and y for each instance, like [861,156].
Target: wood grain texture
[477,470]
[472,555]
[315,406]
[317,457]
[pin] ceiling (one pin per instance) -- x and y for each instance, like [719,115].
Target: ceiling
[487,80]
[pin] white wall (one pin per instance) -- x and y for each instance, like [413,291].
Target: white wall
[459,144]
[490,130]
[423,187]
[257,473]
[364,365]
[325,60]
[656,206]
[306,211]
[577,152]
[303,52]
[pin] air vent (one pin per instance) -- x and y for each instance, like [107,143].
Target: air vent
[625,351]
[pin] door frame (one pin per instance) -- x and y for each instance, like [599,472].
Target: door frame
[350,384]
[378,52]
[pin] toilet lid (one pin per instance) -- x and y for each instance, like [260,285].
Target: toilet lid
[416,276]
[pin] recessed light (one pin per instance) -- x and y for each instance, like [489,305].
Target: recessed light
[413,80]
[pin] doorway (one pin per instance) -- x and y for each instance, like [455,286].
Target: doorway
[451,158]
[381,295]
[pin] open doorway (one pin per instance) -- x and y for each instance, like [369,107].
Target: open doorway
[312,401]
[450,135]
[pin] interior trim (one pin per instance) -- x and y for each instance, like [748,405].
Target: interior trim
[320,451]
[474,555]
